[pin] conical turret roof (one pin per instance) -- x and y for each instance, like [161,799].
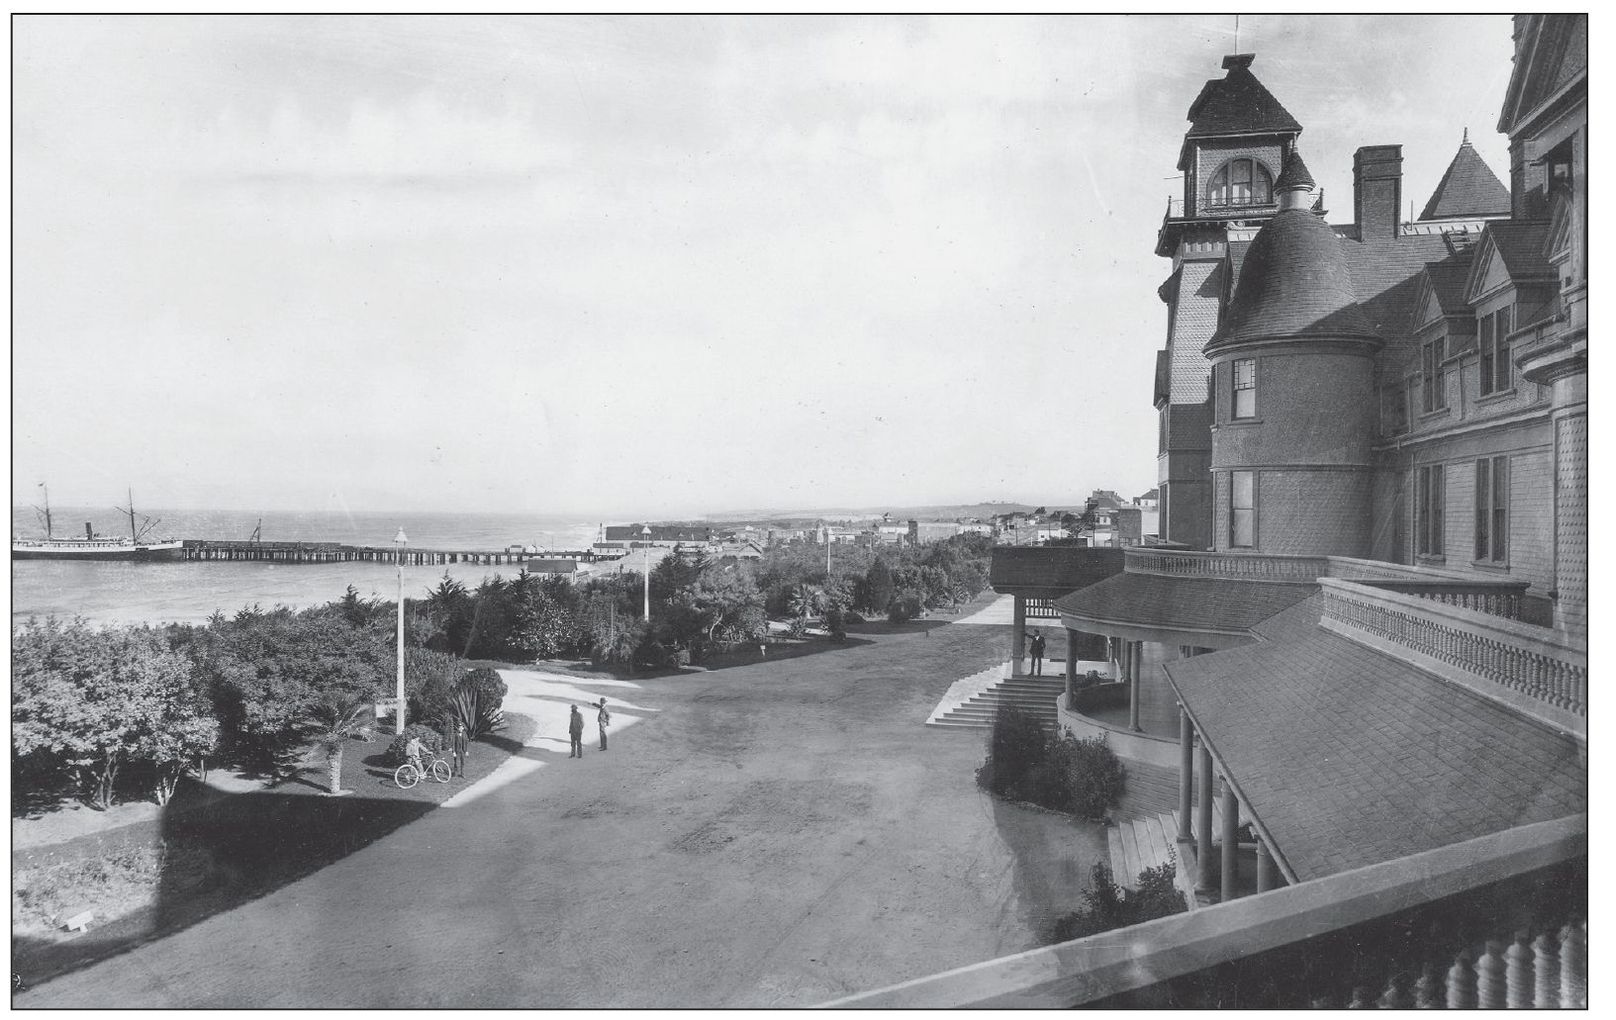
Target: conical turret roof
[1468,189]
[1293,173]
[1294,284]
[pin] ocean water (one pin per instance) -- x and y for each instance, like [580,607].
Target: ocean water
[111,592]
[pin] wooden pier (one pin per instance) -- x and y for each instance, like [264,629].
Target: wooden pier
[331,552]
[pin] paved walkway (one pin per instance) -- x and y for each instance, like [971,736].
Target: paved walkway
[776,834]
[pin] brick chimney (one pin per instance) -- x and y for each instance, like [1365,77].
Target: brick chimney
[1377,190]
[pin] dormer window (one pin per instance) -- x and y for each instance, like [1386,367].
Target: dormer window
[1240,182]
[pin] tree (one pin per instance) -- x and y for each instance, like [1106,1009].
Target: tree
[90,702]
[879,586]
[336,718]
[266,674]
[540,625]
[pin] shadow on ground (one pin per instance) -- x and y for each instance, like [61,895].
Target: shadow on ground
[214,853]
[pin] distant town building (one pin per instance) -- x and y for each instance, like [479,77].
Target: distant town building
[661,534]
[926,532]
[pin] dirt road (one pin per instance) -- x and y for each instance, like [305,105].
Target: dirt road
[767,835]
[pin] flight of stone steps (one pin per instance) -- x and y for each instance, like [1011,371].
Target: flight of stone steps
[993,687]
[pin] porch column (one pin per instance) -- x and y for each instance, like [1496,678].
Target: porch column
[1071,667]
[1265,866]
[1203,820]
[1018,634]
[1231,845]
[1136,669]
[1186,773]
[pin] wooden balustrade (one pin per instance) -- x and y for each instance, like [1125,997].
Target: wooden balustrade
[1495,598]
[1549,971]
[1530,668]
[1226,566]
[1306,569]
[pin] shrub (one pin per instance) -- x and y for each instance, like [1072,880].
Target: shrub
[431,739]
[836,624]
[1110,906]
[1016,744]
[798,627]
[1082,777]
[907,604]
[1089,776]
[488,688]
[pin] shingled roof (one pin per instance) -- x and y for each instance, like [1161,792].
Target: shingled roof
[1238,103]
[1048,571]
[1159,602]
[1348,757]
[1468,189]
[1295,282]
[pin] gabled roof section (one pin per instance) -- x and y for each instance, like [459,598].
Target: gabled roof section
[1386,276]
[1551,53]
[1509,251]
[1236,104]
[1468,189]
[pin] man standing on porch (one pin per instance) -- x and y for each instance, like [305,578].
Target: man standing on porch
[1037,651]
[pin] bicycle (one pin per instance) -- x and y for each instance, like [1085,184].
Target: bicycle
[407,774]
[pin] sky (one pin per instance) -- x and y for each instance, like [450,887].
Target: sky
[652,266]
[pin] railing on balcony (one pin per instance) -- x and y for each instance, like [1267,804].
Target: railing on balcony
[1533,669]
[1324,941]
[1226,566]
[1497,598]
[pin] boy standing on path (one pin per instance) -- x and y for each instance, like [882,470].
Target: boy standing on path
[604,718]
[575,726]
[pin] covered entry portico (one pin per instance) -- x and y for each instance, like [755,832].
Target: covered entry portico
[1035,576]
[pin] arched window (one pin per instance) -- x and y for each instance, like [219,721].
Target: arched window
[1240,182]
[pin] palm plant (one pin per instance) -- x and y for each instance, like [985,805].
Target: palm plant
[337,718]
[805,601]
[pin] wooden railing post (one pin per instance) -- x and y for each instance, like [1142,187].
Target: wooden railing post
[1461,983]
[1518,982]
[1545,971]
[1573,967]
[1490,979]
[1428,990]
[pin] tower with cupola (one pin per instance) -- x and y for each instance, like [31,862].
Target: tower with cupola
[1230,162]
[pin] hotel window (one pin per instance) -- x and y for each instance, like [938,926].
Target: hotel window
[1240,182]
[1496,370]
[1243,509]
[1244,403]
[1428,509]
[1492,510]
[1433,389]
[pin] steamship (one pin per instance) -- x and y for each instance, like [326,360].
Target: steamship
[91,546]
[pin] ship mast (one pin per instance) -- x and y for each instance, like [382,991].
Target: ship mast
[148,524]
[47,510]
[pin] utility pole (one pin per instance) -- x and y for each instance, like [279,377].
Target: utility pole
[400,540]
[645,533]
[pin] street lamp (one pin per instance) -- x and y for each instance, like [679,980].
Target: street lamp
[645,535]
[399,540]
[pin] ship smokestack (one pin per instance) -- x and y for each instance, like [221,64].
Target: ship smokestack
[88,533]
